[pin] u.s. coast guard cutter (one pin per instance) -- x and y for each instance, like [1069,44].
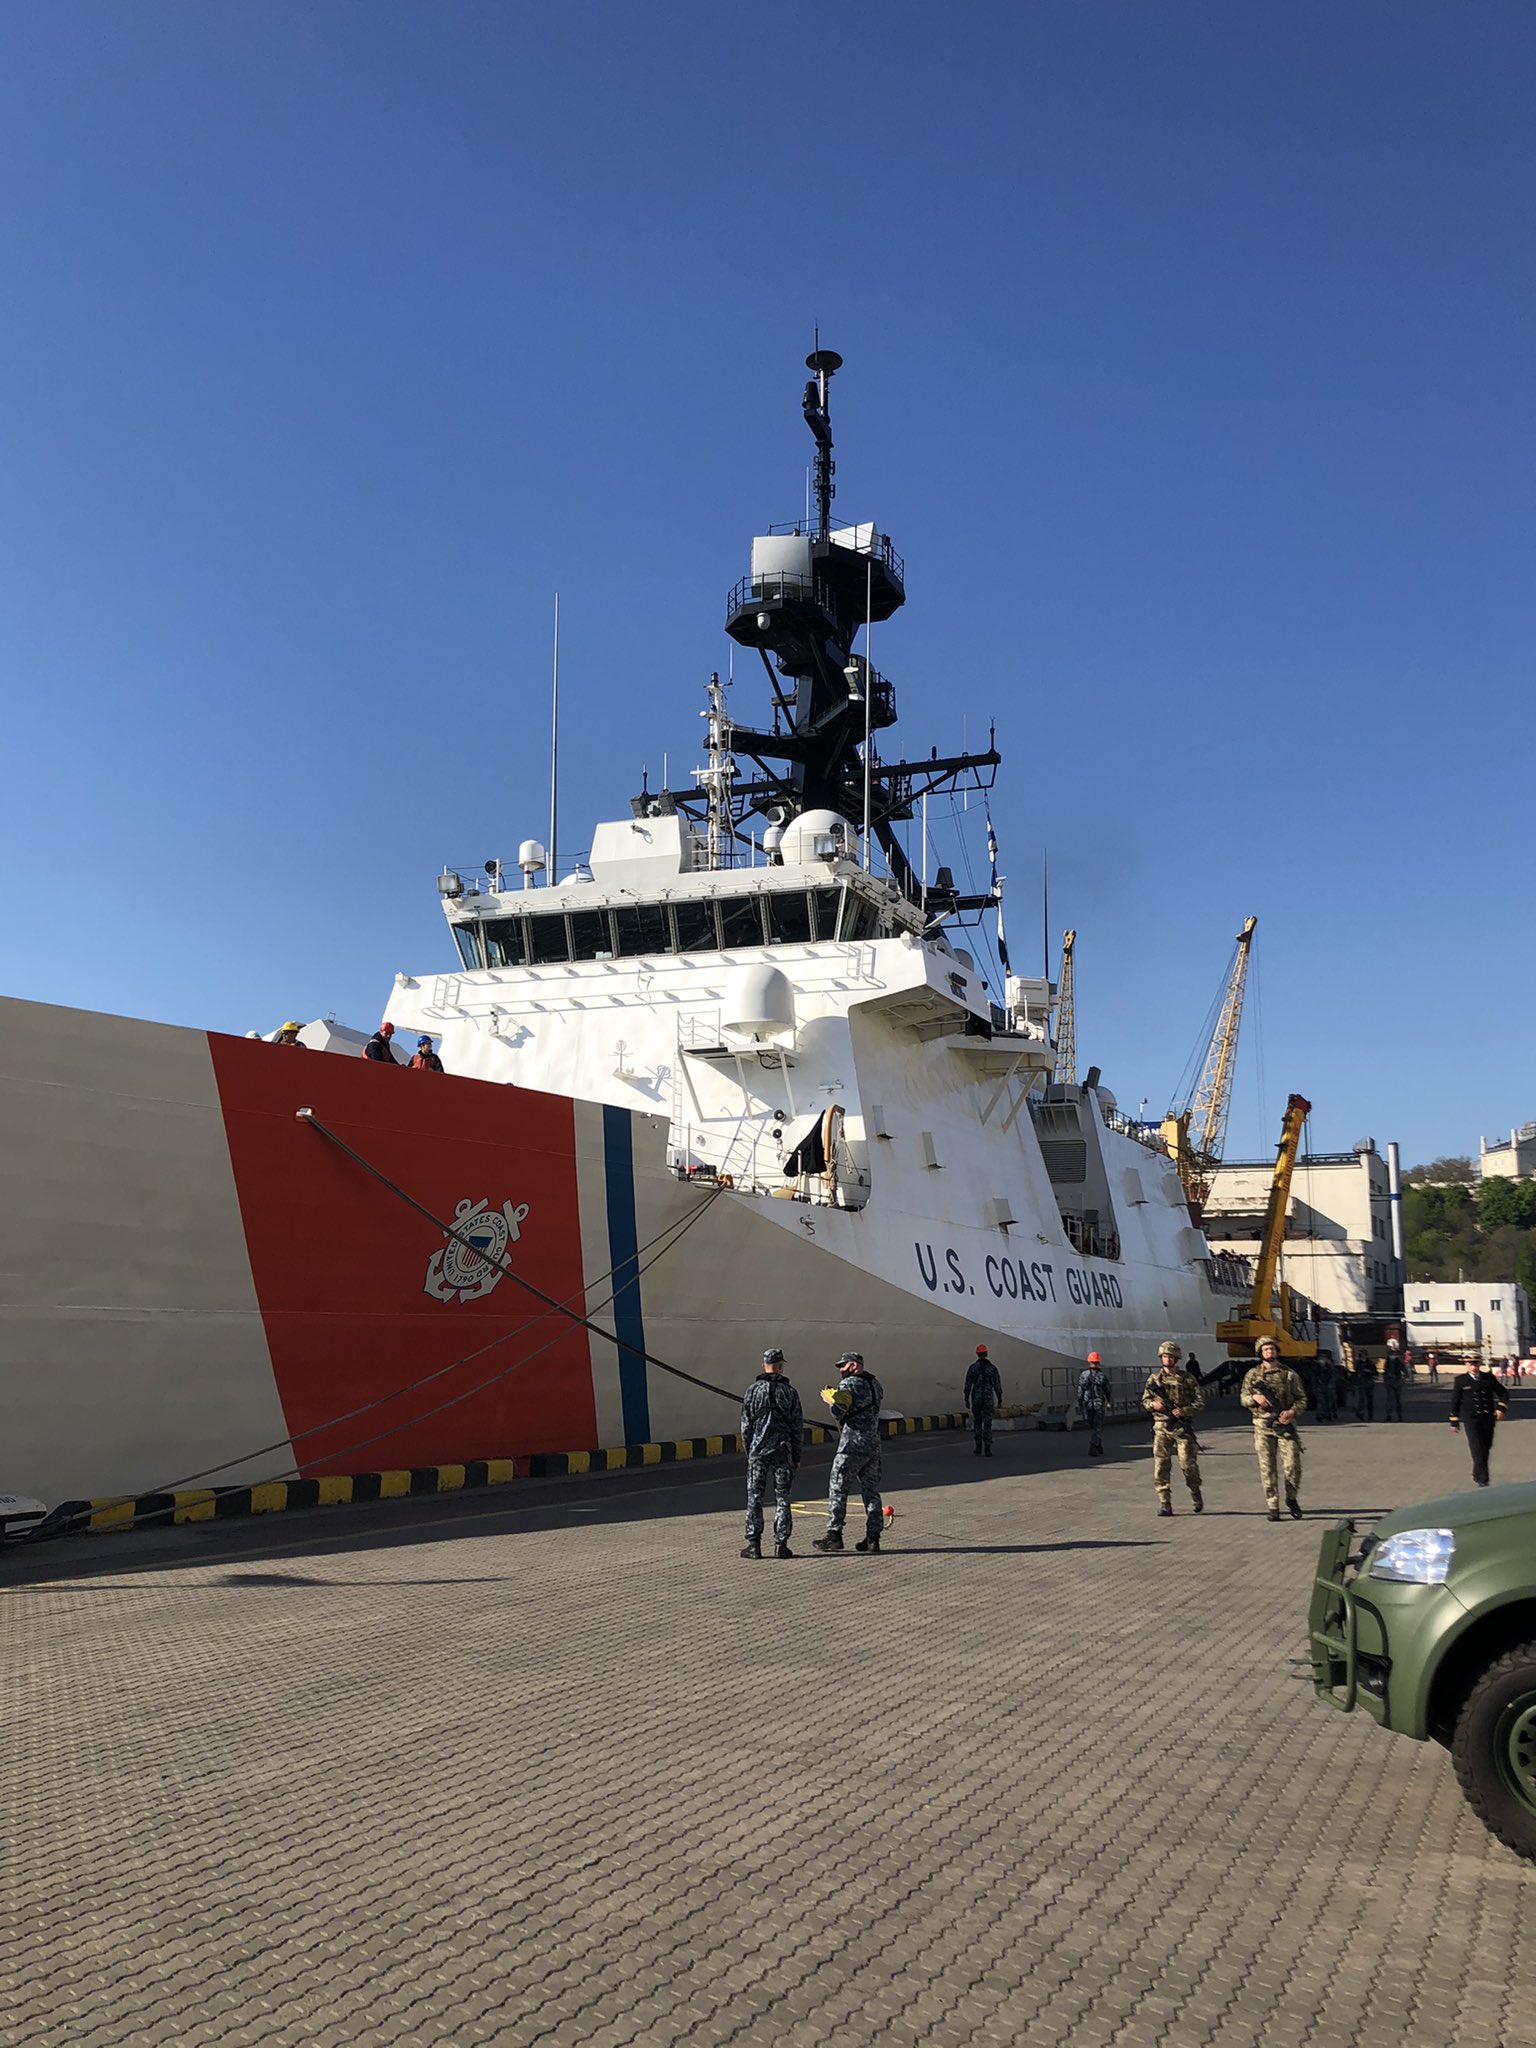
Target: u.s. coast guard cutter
[757,1096]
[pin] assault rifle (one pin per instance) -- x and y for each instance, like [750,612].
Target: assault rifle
[1181,1425]
[1275,1409]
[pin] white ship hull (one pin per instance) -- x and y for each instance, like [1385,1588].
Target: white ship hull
[201,1288]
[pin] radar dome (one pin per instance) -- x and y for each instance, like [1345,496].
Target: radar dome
[758,1000]
[817,835]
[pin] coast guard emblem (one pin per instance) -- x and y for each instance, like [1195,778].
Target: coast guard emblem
[456,1271]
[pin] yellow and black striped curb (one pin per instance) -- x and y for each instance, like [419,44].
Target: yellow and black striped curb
[209,1504]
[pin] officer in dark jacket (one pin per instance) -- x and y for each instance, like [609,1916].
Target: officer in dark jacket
[1479,1400]
[857,1399]
[983,1394]
[772,1434]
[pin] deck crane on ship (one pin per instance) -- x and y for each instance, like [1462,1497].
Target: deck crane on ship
[1195,1129]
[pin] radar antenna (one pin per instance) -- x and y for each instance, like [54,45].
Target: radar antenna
[824,363]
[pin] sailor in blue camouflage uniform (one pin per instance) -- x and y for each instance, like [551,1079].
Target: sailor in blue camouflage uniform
[773,1435]
[857,1399]
[983,1395]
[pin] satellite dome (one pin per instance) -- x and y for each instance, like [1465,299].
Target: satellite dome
[817,836]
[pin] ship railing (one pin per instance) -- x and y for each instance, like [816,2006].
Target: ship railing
[1085,1236]
[1060,1387]
[882,552]
[1144,1133]
[1229,1273]
[781,589]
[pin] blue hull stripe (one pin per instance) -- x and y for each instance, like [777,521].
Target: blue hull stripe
[624,1258]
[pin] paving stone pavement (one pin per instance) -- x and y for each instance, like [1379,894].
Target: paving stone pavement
[559,1767]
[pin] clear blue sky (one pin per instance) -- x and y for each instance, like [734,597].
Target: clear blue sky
[1189,363]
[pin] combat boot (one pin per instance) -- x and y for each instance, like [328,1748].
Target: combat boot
[1165,1507]
[1197,1501]
[833,1540]
[1294,1505]
[782,1550]
[751,1550]
[869,1543]
[1274,1514]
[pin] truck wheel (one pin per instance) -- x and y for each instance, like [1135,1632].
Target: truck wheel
[1494,1748]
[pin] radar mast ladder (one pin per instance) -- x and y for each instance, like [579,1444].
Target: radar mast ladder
[1066,1016]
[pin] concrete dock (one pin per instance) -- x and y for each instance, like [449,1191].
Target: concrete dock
[552,1764]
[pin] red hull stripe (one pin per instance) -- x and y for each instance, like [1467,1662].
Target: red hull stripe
[360,1298]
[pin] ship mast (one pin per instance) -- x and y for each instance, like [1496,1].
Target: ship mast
[804,604]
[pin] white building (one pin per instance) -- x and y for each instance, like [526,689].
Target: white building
[1338,1231]
[1489,1317]
[1511,1159]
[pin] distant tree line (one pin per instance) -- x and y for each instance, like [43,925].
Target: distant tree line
[1454,1229]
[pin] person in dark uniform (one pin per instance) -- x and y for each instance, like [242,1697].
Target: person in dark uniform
[1477,1402]
[1365,1389]
[378,1047]
[1394,1372]
[857,1399]
[983,1395]
[773,1436]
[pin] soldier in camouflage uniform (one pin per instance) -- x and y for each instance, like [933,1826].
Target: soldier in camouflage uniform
[983,1395]
[1274,1396]
[857,1400]
[773,1435]
[1170,1398]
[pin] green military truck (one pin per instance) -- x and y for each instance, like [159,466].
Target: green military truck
[1428,1622]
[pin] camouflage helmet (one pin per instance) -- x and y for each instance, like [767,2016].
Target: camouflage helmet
[1272,1342]
[1168,1349]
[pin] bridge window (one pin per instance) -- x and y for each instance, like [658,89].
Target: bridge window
[590,935]
[642,928]
[861,918]
[741,922]
[548,939]
[695,919]
[789,917]
[467,939]
[506,941]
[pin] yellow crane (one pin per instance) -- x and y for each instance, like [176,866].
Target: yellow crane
[1066,1015]
[1195,1130]
[1264,1317]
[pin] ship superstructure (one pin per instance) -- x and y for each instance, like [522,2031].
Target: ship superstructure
[756,965]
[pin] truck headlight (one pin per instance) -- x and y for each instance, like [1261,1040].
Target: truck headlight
[1418,1557]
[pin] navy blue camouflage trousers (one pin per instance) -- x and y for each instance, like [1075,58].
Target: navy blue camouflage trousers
[857,1463]
[780,1470]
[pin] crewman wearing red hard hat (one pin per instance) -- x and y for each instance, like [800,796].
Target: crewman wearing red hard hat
[983,1395]
[1094,1401]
